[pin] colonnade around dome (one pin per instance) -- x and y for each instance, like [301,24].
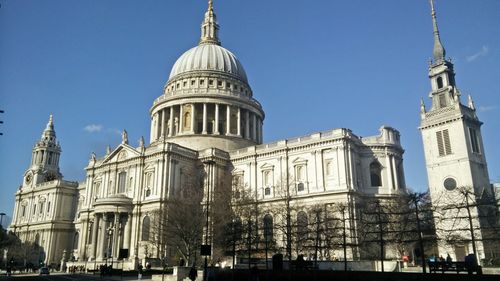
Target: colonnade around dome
[208,118]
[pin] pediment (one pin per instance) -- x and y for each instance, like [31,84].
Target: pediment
[299,160]
[237,171]
[266,166]
[121,153]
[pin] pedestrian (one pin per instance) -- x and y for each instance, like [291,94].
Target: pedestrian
[193,273]
[448,259]
[254,273]
[139,274]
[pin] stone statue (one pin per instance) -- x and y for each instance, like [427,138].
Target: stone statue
[108,150]
[124,137]
[92,156]
[141,142]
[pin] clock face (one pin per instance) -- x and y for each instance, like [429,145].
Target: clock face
[28,178]
[450,183]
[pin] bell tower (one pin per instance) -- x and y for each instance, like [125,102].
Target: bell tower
[454,155]
[44,158]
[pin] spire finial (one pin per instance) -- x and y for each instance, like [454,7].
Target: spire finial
[471,103]
[209,27]
[50,124]
[438,51]
[422,106]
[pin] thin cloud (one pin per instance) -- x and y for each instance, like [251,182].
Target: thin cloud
[93,128]
[115,131]
[487,108]
[481,53]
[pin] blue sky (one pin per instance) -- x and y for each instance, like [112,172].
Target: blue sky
[314,65]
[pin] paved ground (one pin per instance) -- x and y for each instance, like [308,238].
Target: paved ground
[65,277]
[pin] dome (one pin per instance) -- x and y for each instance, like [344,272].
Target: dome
[209,57]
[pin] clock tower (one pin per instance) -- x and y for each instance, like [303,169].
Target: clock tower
[455,159]
[45,159]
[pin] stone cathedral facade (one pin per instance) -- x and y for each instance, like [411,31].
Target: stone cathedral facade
[206,122]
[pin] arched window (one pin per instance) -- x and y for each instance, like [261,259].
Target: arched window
[268,227]
[37,239]
[375,173]
[75,241]
[146,227]
[439,81]
[302,223]
[267,191]
[237,228]
[187,120]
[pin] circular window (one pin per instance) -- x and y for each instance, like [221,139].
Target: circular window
[450,183]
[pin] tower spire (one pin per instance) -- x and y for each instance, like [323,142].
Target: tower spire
[49,134]
[438,52]
[209,27]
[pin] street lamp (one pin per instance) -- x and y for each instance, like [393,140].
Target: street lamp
[110,235]
[1,219]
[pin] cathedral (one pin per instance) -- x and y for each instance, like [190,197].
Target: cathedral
[207,126]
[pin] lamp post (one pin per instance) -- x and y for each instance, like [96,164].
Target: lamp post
[1,219]
[110,235]
[233,220]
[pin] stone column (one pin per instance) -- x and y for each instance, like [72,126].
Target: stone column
[95,227]
[171,128]
[152,135]
[247,125]
[395,173]
[389,172]
[260,131]
[181,117]
[228,120]
[126,231]
[257,127]
[216,125]
[254,129]
[116,235]
[238,124]
[204,119]
[193,117]
[162,123]
[102,236]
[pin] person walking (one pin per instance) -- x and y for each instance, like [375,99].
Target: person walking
[193,273]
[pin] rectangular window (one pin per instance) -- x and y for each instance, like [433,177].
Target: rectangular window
[443,142]
[122,178]
[267,179]
[474,141]
[24,211]
[447,144]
